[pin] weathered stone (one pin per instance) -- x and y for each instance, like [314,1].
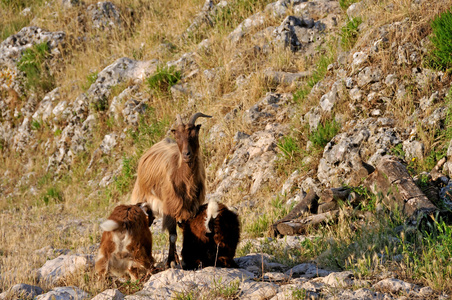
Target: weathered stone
[391,79]
[369,75]
[360,294]
[13,47]
[108,143]
[339,279]
[104,15]
[22,291]
[272,108]
[297,33]
[275,277]
[413,150]
[394,286]
[278,77]
[359,58]
[342,161]
[110,294]
[313,118]
[307,270]
[328,100]
[253,158]
[121,70]
[257,290]
[445,195]
[46,106]
[64,293]
[247,25]
[56,269]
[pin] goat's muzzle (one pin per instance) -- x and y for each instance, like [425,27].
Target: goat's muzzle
[187,157]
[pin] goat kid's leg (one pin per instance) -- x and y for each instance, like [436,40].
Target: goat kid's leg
[169,224]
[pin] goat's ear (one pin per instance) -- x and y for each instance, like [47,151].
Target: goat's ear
[198,127]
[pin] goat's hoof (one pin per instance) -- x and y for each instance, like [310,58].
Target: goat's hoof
[173,265]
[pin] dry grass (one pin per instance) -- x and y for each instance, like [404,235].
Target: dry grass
[70,220]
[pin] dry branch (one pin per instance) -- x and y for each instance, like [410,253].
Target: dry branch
[308,204]
[334,194]
[301,225]
[392,181]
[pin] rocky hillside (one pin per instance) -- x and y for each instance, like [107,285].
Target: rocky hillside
[306,96]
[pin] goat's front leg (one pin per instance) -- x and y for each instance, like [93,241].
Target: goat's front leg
[169,224]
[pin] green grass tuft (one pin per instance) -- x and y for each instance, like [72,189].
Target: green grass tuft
[441,55]
[349,33]
[324,133]
[34,65]
[163,79]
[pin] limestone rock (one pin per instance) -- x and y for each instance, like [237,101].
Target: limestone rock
[121,70]
[22,291]
[110,294]
[394,286]
[307,270]
[56,269]
[344,156]
[64,293]
[258,290]
[104,15]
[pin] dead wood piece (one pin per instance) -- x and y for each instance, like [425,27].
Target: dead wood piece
[308,204]
[334,194]
[435,172]
[392,181]
[300,226]
[329,206]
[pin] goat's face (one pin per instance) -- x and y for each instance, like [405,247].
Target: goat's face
[187,140]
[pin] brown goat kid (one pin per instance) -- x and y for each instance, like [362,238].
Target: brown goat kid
[126,244]
[210,238]
[171,177]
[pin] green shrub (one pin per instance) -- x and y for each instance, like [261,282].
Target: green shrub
[90,79]
[441,54]
[52,193]
[35,125]
[163,79]
[349,33]
[324,133]
[289,147]
[34,65]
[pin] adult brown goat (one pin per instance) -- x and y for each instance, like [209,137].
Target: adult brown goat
[171,177]
[210,238]
[126,244]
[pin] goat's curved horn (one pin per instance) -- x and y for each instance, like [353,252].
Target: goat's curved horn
[197,115]
[179,120]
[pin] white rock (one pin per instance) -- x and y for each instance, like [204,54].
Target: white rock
[394,286]
[258,290]
[339,279]
[110,294]
[64,265]
[307,270]
[64,293]
[359,58]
